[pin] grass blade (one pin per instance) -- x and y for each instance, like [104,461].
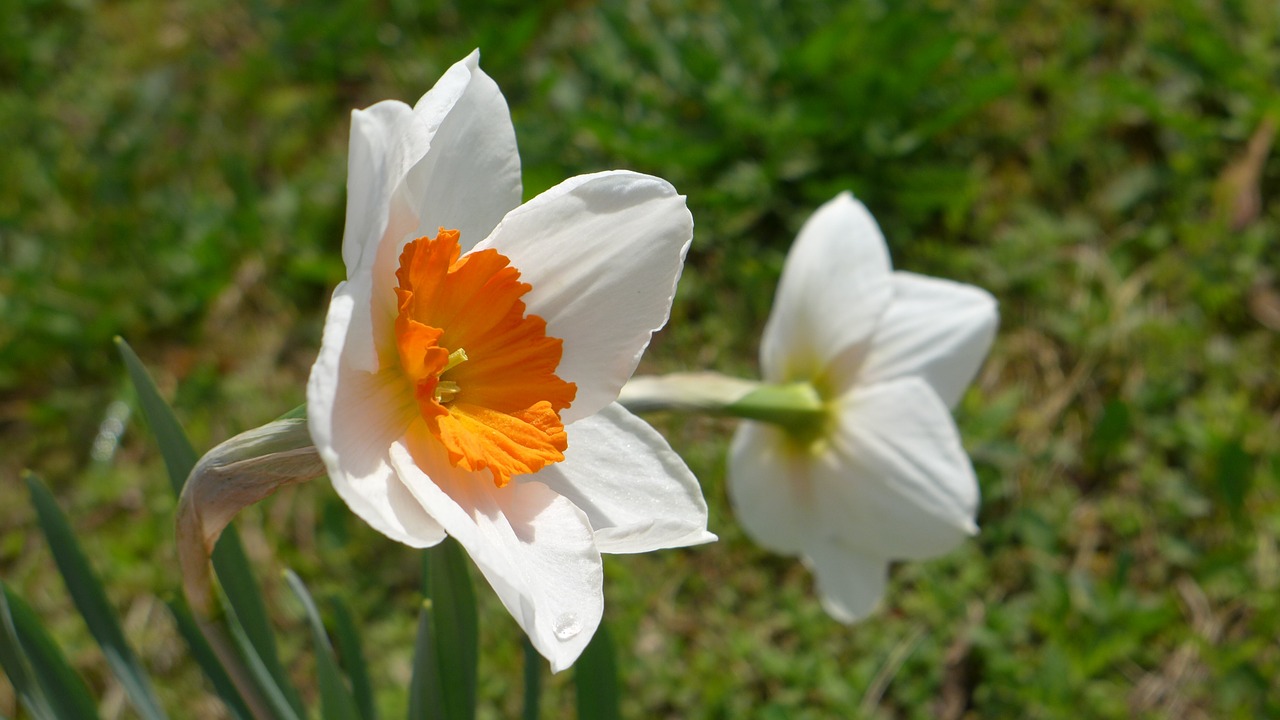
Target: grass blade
[245,598]
[271,690]
[208,660]
[595,677]
[351,656]
[179,456]
[91,600]
[336,702]
[455,626]
[424,686]
[16,667]
[532,681]
[68,697]
[229,559]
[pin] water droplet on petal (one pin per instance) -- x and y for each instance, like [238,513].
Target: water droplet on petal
[567,626]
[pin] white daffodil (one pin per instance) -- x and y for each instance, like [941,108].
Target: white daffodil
[877,473]
[470,361]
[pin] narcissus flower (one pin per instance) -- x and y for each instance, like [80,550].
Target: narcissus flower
[875,472]
[470,361]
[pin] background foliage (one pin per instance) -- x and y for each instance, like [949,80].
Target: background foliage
[174,172]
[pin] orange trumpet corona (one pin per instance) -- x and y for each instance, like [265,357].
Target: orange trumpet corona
[483,372]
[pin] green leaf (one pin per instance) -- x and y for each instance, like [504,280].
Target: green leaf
[91,600]
[336,702]
[1234,477]
[454,625]
[1109,434]
[274,693]
[208,660]
[179,456]
[532,681]
[14,662]
[595,677]
[242,592]
[229,559]
[299,412]
[351,656]
[68,697]
[424,686]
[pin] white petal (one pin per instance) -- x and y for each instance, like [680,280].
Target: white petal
[896,482]
[467,179]
[470,178]
[772,488]
[603,253]
[834,287]
[354,417]
[936,329]
[637,492]
[533,546]
[849,584]
[386,140]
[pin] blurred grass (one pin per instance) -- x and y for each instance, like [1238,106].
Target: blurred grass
[174,173]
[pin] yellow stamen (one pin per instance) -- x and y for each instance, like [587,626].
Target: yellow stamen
[456,358]
[446,391]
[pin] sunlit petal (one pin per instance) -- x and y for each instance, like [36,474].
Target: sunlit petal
[898,484]
[772,488]
[466,179]
[354,441]
[849,584]
[637,492]
[470,178]
[534,546]
[934,329]
[603,253]
[834,288]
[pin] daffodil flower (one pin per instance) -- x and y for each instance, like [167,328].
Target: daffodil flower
[869,467]
[471,359]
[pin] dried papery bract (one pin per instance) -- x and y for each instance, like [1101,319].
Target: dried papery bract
[232,476]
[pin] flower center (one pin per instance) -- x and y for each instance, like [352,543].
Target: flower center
[483,371]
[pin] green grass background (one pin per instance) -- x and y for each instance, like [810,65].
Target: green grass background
[174,173]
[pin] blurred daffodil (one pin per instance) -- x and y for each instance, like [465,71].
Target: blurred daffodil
[471,359]
[849,457]
[875,472]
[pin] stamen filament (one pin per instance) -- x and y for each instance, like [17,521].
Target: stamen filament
[456,358]
[446,391]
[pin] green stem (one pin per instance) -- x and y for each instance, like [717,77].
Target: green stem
[794,406]
[532,681]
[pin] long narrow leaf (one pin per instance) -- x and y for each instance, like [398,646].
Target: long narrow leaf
[273,693]
[336,701]
[351,656]
[229,559]
[595,676]
[208,660]
[91,600]
[456,629]
[67,694]
[242,592]
[16,667]
[532,681]
[424,685]
[179,456]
